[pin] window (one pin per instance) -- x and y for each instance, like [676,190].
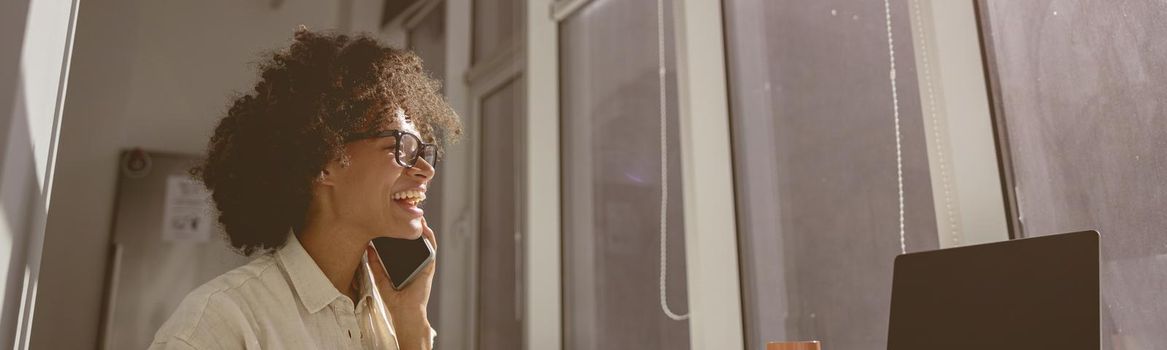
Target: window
[499,305]
[610,137]
[496,87]
[428,40]
[815,167]
[1078,95]
[496,25]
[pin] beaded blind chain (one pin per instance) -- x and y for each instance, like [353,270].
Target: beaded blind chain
[895,105]
[664,164]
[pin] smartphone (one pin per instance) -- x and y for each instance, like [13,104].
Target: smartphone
[403,258]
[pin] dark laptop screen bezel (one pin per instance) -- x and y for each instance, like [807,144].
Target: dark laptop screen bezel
[1032,293]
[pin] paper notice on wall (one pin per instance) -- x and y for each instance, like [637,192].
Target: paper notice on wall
[187,216]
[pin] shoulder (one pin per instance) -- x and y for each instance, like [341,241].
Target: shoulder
[220,312]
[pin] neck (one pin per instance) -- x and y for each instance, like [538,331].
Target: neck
[337,250]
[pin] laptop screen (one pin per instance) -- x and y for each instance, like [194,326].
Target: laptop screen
[1033,293]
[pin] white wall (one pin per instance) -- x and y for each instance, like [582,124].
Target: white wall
[150,74]
[14,184]
[34,47]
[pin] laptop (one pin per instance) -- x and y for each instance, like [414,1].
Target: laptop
[1032,293]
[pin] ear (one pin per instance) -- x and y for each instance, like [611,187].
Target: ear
[327,175]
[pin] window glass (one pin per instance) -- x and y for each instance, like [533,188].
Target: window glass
[497,24]
[815,167]
[1079,94]
[610,100]
[499,308]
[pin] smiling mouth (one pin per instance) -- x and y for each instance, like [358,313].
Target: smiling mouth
[411,197]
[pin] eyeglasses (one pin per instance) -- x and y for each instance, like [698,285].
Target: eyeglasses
[407,149]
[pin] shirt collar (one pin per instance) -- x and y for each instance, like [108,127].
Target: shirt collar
[311,285]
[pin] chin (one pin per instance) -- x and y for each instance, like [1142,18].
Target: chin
[404,235]
[406,230]
[415,227]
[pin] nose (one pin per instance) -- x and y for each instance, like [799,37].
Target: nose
[422,170]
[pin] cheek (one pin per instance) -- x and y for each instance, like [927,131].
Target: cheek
[374,183]
[385,181]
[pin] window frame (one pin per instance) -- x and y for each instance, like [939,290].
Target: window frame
[710,225]
[710,210]
[543,223]
[479,81]
[963,159]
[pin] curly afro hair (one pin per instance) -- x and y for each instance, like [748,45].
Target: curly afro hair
[274,140]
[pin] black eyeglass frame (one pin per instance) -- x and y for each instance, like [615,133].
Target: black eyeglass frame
[397,135]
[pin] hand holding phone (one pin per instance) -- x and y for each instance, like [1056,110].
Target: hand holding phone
[404,259]
[396,265]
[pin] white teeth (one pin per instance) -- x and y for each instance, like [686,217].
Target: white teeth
[412,196]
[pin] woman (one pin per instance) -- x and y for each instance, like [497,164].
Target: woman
[334,147]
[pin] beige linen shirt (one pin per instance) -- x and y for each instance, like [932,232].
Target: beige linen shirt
[280,300]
